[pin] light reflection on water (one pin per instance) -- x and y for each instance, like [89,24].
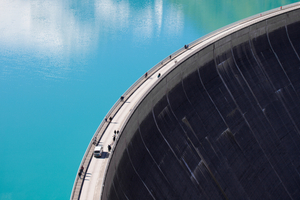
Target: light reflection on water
[57,31]
[213,14]
[43,25]
[43,35]
[64,63]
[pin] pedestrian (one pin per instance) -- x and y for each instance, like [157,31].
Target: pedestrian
[80,171]
[146,74]
[158,75]
[114,138]
[109,148]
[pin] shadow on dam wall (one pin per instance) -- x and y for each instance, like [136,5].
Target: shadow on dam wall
[223,124]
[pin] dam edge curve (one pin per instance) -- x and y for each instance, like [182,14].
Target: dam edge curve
[169,80]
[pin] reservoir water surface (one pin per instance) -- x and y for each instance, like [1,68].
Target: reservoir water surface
[63,64]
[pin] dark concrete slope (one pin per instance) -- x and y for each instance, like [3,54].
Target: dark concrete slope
[224,124]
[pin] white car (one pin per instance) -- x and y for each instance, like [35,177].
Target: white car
[98,151]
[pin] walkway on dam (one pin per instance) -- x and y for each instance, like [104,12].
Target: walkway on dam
[90,187]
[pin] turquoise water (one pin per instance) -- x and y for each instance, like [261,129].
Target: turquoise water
[64,64]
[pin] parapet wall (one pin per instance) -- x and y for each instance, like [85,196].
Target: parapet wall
[223,124]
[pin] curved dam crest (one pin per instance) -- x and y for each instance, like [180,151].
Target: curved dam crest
[217,120]
[223,124]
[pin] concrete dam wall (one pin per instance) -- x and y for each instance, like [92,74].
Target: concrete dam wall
[223,124]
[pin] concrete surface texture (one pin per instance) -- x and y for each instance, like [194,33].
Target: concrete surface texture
[223,124]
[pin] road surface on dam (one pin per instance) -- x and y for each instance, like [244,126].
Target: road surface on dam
[219,119]
[92,186]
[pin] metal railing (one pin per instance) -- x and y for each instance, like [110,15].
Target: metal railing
[133,87]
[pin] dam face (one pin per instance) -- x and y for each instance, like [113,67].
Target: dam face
[223,124]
